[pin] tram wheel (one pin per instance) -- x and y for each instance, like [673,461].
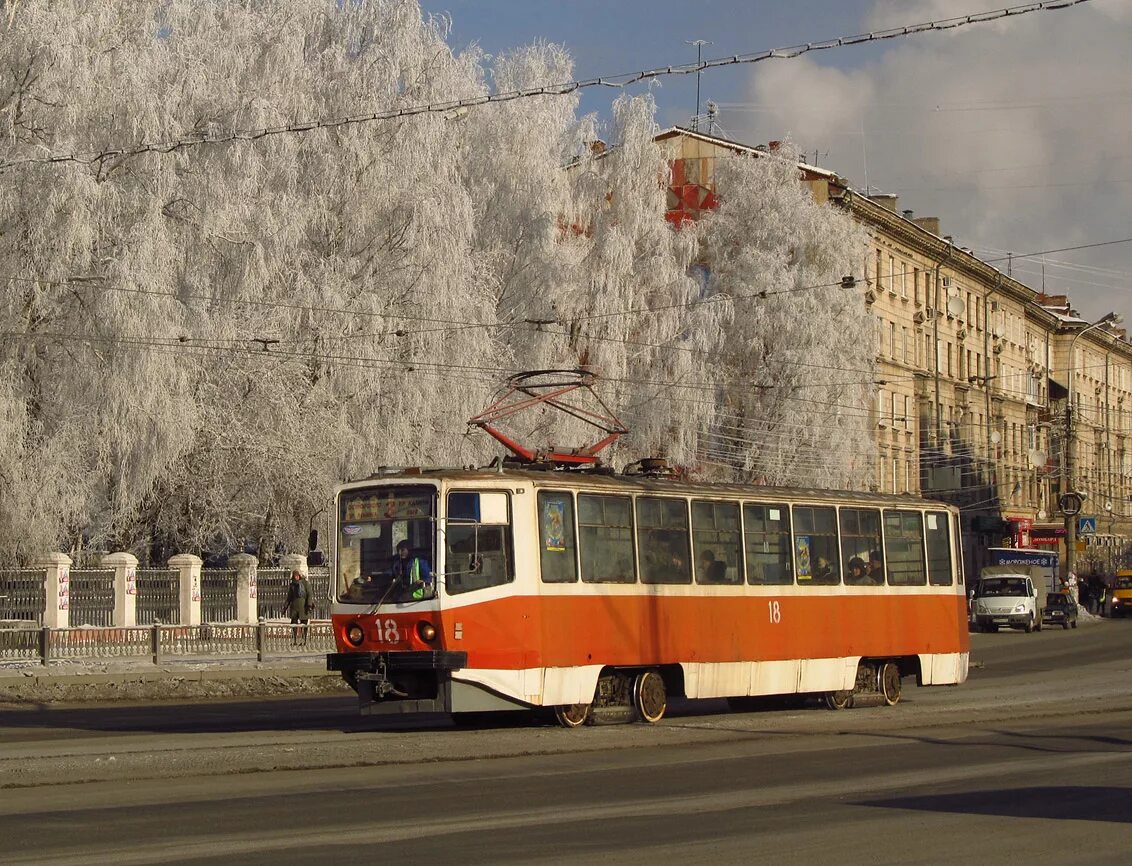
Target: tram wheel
[890,683]
[840,700]
[650,698]
[573,715]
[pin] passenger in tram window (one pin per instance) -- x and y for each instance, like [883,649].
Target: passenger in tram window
[822,570]
[676,559]
[875,569]
[712,570]
[856,575]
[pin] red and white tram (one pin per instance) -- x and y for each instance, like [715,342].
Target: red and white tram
[599,595]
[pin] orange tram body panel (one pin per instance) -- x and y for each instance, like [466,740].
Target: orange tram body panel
[598,596]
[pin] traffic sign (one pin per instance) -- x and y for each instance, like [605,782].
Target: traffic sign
[1086,526]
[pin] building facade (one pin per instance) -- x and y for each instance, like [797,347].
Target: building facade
[989,395]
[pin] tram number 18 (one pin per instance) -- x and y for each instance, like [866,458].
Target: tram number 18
[387,631]
[774,611]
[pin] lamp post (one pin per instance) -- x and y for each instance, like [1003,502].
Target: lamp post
[1070,443]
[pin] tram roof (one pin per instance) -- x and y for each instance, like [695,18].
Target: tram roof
[611,482]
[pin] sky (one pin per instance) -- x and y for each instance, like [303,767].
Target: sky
[1014,133]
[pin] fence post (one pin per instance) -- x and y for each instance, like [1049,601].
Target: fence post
[246,566]
[260,639]
[155,642]
[188,567]
[125,567]
[45,645]
[57,590]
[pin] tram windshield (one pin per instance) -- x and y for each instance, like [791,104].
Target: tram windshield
[386,544]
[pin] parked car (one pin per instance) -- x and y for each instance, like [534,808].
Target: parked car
[1007,595]
[1060,610]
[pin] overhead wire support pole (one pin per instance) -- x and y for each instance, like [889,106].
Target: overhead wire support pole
[1070,513]
[699,43]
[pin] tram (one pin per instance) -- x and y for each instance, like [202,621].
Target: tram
[598,595]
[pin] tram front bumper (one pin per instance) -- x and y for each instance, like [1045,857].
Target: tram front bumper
[426,660]
[399,682]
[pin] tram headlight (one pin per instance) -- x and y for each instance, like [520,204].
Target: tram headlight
[355,634]
[426,631]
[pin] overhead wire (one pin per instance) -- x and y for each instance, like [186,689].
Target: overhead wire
[619,81]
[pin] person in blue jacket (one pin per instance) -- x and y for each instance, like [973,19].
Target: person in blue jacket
[412,573]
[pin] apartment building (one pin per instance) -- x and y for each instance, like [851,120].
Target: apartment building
[975,372]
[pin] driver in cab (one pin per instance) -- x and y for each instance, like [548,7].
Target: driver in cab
[412,573]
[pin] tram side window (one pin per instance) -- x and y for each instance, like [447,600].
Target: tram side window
[662,540]
[904,548]
[939,548]
[815,545]
[767,528]
[557,551]
[718,542]
[861,546]
[479,553]
[605,538]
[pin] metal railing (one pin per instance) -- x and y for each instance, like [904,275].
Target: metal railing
[92,596]
[20,644]
[218,595]
[22,594]
[162,642]
[158,598]
[271,590]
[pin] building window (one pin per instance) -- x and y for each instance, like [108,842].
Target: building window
[904,345]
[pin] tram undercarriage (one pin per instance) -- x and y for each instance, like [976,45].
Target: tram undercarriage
[422,682]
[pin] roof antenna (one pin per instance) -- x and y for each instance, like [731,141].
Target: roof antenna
[699,43]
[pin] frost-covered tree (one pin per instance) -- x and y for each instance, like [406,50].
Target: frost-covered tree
[200,341]
[795,368]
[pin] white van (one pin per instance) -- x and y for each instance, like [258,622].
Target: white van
[1009,595]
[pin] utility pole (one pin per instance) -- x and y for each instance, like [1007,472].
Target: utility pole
[936,312]
[1069,496]
[699,43]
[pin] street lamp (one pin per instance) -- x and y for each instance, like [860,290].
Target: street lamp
[1071,500]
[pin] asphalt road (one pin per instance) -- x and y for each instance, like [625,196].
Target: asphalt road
[1030,759]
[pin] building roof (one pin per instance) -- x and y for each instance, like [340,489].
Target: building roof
[674,131]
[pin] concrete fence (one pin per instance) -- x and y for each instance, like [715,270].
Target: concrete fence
[159,643]
[53,595]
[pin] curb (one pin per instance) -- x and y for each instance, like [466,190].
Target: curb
[24,679]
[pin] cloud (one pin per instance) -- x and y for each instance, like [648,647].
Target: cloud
[1015,133]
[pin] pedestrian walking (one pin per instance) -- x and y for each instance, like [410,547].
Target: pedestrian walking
[298,605]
